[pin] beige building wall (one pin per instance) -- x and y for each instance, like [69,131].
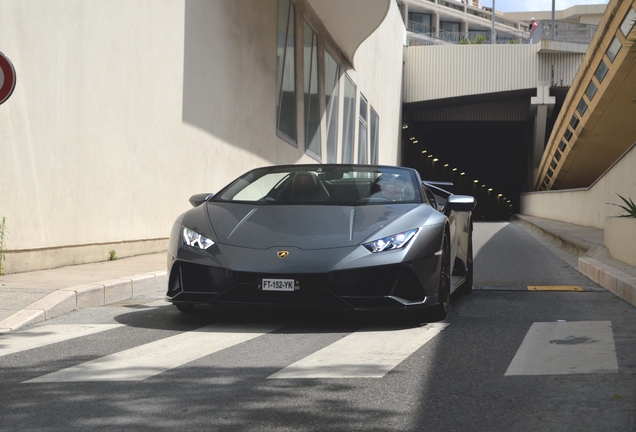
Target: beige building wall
[446,71]
[382,53]
[125,108]
[591,206]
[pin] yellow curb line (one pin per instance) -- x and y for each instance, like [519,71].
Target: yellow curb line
[555,288]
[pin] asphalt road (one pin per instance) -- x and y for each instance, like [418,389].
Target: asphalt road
[506,359]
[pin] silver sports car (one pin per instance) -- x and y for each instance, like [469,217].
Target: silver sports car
[350,236]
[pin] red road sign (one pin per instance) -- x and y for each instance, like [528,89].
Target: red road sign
[7,78]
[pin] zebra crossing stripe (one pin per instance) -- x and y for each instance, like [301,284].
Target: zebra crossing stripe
[139,363]
[560,348]
[11,343]
[367,353]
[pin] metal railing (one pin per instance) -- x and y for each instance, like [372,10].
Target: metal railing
[421,34]
[426,35]
[564,32]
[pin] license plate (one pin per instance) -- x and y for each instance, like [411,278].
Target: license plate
[279,285]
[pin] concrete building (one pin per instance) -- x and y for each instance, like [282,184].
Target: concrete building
[582,14]
[125,108]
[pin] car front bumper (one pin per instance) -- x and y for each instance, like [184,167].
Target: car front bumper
[389,287]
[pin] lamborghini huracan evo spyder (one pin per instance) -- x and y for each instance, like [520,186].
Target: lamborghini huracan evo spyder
[352,236]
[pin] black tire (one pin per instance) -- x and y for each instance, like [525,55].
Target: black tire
[440,311]
[466,287]
[184,308]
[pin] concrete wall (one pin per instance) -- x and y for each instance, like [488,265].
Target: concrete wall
[123,109]
[445,71]
[383,87]
[591,206]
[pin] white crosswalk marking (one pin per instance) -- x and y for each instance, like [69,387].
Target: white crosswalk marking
[367,353]
[46,335]
[153,358]
[558,348]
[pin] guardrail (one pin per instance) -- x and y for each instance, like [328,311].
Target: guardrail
[420,34]
[564,32]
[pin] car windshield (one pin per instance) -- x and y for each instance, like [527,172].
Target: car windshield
[349,185]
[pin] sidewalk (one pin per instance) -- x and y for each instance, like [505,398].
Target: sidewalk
[592,259]
[27,298]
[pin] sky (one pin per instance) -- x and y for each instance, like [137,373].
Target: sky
[537,5]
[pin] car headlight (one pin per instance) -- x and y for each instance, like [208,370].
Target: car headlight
[396,241]
[194,239]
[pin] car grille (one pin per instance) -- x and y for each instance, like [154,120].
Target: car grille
[369,287]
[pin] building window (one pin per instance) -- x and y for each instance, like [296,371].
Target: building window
[582,107]
[628,22]
[613,49]
[553,164]
[591,91]
[285,75]
[557,155]
[601,71]
[574,121]
[375,138]
[312,106]
[362,131]
[562,145]
[332,78]
[568,134]
[449,26]
[348,120]
[420,23]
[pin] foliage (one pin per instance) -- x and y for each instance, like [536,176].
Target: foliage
[112,255]
[629,207]
[479,39]
[512,42]
[3,244]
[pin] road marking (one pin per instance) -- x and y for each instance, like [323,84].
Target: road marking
[139,363]
[11,343]
[554,288]
[367,353]
[560,348]
[529,288]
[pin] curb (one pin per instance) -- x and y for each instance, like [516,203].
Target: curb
[66,300]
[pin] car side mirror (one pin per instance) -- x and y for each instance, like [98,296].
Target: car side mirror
[459,203]
[198,199]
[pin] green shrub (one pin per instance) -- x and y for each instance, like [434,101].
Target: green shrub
[629,207]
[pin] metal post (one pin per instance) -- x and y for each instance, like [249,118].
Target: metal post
[493,36]
[553,14]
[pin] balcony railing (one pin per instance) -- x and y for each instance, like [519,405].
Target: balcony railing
[564,32]
[426,35]
[421,34]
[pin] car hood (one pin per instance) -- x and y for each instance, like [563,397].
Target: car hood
[302,226]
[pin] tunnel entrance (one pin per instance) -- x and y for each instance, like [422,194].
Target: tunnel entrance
[481,143]
[488,160]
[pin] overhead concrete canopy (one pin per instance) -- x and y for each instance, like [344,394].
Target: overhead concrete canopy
[351,22]
[607,134]
[596,125]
